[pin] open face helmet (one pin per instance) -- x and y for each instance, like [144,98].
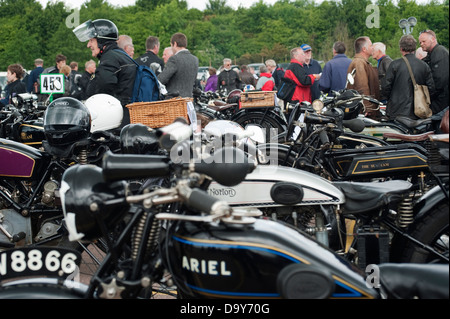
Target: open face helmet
[102,29]
[106,112]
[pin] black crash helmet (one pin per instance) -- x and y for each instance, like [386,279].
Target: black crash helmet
[84,197]
[353,108]
[102,29]
[66,121]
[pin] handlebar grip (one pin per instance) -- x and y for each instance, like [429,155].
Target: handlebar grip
[129,166]
[202,201]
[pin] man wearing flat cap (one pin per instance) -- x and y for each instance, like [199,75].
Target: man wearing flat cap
[312,67]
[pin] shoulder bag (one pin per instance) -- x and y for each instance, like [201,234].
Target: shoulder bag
[421,96]
[286,90]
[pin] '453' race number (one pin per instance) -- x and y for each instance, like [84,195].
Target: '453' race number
[41,261]
[52,83]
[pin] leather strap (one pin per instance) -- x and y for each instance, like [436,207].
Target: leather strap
[410,71]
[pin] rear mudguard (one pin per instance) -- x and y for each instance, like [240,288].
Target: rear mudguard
[262,111]
[42,288]
[433,198]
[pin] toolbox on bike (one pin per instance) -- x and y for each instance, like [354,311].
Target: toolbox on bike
[257,99]
[159,113]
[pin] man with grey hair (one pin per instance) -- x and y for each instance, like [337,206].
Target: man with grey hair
[276,71]
[365,76]
[438,60]
[228,79]
[150,58]
[125,42]
[398,86]
[383,61]
[265,82]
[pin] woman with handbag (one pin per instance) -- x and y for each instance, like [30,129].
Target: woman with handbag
[403,77]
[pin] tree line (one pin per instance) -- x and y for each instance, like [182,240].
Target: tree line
[246,35]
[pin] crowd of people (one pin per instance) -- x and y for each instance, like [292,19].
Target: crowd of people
[388,82]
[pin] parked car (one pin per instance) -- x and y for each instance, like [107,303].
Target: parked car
[3,80]
[256,67]
[203,73]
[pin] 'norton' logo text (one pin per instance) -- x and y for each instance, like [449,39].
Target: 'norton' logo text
[207,267]
[229,192]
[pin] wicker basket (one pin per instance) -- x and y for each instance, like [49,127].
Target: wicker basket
[160,113]
[258,99]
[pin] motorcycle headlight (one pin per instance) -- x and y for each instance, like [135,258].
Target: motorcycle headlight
[317,106]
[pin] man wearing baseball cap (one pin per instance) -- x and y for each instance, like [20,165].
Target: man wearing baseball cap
[312,67]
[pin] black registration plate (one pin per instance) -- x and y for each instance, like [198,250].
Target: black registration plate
[38,261]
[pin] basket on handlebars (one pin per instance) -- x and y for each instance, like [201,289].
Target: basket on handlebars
[160,113]
[257,99]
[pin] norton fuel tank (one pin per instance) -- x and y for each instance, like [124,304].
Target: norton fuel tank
[265,259]
[18,160]
[271,185]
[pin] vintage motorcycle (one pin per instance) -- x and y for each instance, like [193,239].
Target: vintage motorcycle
[22,120]
[30,207]
[210,249]
[269,119]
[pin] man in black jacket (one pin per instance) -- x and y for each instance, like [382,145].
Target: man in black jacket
[398,86]
[437,58]
[150,58]
[83,82]
[116,71]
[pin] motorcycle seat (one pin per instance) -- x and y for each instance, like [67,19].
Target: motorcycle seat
[364,197]
[412,123]
[408,137]
[220,106]
[408,281]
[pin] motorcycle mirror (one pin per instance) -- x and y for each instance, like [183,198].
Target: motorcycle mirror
[350,79]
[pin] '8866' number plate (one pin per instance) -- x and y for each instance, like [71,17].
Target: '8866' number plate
[38,261]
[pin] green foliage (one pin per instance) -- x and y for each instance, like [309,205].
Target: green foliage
[246,35]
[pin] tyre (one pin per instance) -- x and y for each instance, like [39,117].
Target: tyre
[432,231]
[38,290]
[271,126]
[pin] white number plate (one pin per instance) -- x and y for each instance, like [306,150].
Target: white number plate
[52,83]
[40,261]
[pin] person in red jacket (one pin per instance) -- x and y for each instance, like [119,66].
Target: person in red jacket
[298,74]
[265,82]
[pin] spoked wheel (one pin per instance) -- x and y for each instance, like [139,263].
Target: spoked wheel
[270,127]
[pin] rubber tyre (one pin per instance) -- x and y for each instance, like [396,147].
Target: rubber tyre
[265,122]
[37,291]
[429,231]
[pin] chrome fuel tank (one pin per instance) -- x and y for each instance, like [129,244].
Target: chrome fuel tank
[270,185]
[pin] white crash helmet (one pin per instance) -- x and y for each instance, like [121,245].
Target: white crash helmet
[106,112]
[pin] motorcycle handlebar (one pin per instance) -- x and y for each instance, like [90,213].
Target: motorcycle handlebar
[228,166]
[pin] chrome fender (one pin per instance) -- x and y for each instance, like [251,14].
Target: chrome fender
[257,189]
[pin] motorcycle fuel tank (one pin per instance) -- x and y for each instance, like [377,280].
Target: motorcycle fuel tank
[271,185]
[18,160]
[264,259]
[390,163]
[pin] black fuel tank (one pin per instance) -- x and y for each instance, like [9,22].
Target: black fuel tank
[266,259]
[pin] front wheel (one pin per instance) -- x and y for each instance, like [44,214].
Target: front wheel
[431,231]
[38,289]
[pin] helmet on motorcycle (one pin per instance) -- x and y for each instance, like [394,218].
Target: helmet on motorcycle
[106,112]
[84,196]
[352,108]
[248,87]
[234,96]
[102,29]
[66,120]
[138,139]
